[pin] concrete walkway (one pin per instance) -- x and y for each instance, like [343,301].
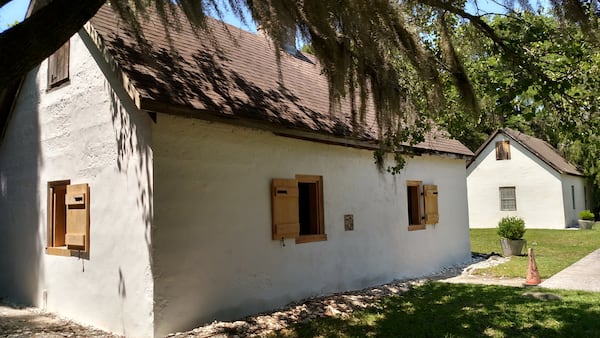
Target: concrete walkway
[582,275]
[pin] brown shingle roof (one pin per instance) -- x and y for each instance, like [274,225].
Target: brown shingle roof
[545,151]
[540,148]
[234,74]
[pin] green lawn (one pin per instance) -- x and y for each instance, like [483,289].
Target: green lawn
[554,249]
[460,310]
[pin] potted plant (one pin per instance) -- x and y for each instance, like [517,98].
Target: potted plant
[511,230]
[586,219]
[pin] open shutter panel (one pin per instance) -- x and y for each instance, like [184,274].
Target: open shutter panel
[506,149]
[499,151]
[431,204]
[286,223]
[58,66]
[78,215]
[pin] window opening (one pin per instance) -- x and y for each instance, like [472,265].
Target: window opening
[414,210]
[68,219]
[58,215]
[297,206]
[508,199]
[308,208]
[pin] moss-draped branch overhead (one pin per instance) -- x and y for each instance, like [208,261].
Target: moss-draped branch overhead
[377,50]
[394,55]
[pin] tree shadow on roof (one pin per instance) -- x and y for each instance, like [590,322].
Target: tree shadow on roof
[209,82]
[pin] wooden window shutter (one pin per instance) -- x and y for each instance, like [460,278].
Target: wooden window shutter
[506,149]
[430,193]
[77,200]
[286,222]
[58,66]
[499,149]
[503,150]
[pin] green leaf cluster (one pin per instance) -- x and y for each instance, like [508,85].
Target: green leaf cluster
[586,215]
[511,227]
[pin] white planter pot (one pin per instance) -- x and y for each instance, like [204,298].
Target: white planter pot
[512,247]
[586,225]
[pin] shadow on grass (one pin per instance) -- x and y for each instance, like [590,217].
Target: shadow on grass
[456,310]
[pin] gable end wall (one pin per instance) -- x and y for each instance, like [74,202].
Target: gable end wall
[84,132]
[539,191]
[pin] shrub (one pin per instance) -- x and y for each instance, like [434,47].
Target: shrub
[586,215]
[511,227]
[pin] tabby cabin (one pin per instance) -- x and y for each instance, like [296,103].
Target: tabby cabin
[147,191]
[514,174]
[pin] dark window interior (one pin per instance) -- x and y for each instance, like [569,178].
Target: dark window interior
[413,205]
[307,208]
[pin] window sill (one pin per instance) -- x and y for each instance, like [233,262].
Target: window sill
[416,227]
[311,238]
[58,85]
[63,251]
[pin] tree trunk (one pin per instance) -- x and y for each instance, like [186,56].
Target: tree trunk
[27,44]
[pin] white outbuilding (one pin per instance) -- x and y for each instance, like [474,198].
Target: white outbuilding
[514,174]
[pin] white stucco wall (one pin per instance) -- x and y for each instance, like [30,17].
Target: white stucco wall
[80,132]
[539,190]
[572,211]
[213,253]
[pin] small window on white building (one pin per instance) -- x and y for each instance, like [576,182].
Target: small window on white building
[58,66]
[573,195]
[68,219]
[502,150]
[297,207]
[508,199]
[421,195]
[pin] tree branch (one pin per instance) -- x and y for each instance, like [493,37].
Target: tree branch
[27,44]
[475,19]
[507,50]
[4,2]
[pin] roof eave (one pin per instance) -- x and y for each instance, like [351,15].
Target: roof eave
[125,81]
[152,106]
